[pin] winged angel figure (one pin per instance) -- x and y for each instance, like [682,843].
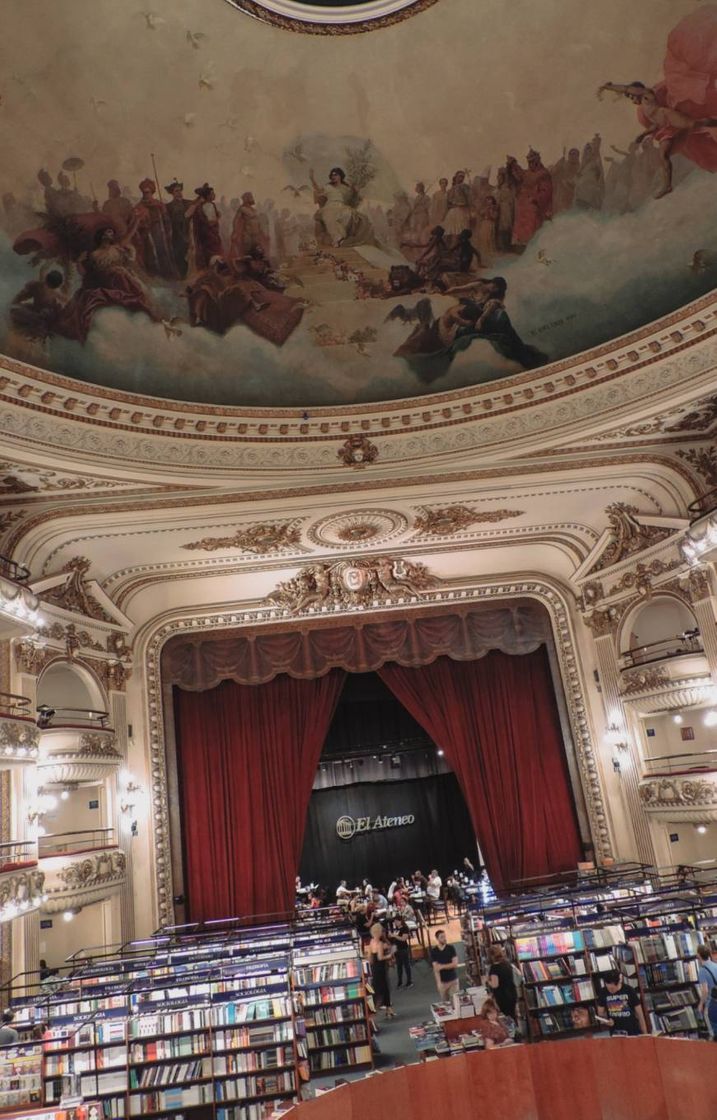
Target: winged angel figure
[680,113]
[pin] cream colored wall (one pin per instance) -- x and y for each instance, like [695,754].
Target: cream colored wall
[667,739]
[91,926]
[75,814]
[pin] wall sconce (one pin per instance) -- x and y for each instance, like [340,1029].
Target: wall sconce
[128,799]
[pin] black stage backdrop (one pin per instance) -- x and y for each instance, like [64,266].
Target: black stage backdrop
[440,836]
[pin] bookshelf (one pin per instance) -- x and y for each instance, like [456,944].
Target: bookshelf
[210,1028]
[665,962]
[332,994]
[20,1076]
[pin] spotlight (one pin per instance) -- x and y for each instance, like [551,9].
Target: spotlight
[68,915]
[701,828]
[677,719]
[64,796]
[440,753]
[710,719]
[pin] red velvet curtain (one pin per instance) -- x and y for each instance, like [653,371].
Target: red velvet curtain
[247,757]
[497,721]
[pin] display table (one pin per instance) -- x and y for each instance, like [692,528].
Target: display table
[585,1079]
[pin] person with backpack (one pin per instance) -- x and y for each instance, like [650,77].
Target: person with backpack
[707,982]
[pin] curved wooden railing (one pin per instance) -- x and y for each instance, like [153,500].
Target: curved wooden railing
[590,1079]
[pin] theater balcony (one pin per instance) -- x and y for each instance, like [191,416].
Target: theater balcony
[660,665]
[681,787]
[77,745]
[19,607]
[701,540]
[19,736]
[80,868]
[21,882]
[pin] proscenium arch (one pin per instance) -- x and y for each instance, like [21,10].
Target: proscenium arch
[551,594]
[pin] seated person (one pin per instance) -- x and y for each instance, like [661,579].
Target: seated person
[489,1026]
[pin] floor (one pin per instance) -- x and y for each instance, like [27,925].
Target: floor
[412,1006]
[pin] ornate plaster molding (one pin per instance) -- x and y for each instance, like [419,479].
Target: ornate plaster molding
[554,599]
[74,595]
[443,520]
[674,356]
[83,880]
[19,739]
[691,797]
[354,583]
[260,539]
[628,535]
[644,680]
[676,695]
[20,891]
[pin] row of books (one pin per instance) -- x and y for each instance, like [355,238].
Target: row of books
[556,995]
[666,946]
[322,1060]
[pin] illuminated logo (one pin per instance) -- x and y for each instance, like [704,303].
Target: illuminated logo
[345,827]
[348,827]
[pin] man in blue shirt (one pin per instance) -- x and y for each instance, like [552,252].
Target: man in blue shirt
[707,981]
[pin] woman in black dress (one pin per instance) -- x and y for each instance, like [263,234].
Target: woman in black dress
[502,981]
[381,953]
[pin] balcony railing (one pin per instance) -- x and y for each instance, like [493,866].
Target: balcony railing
[71,843]
[47,716]
[706,503]
[13,704]
[17,853]
[10,569]
[695,762]
[677,646]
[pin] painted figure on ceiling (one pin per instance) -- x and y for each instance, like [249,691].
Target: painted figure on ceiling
[680,113]
[534,196]
[458,207]
[205,242]
[117,208]
[179,226]
[338,219]
[247,231]
[152,238]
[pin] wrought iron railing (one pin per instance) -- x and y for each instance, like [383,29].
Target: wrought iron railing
[688,641]
[70,843]
[17,853]
[10,569]
[705,503]
[680,763]
[13,704]
[47,716]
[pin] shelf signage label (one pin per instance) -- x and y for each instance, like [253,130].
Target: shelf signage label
[348,827]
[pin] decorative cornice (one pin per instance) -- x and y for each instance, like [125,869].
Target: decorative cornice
[640,579]
[357,451]
[19,739]
[605,621]
[85,880]
[678,792]
[532,408]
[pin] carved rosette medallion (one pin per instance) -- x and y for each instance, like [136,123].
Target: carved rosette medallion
[351,530]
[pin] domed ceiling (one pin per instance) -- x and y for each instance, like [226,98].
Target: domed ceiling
[203,205]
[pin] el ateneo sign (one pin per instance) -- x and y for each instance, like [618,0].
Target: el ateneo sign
[348,827]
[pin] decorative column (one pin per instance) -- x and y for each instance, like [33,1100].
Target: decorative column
[118,711]
[696,586]
[603,623]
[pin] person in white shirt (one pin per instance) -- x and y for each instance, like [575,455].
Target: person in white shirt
[343,894]
[433,890]
[391,889]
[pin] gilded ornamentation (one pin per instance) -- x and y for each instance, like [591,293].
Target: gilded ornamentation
[604,620]
[699,420]
[93,871]
[644,680]
[628,535]
[16,481]
[677,791]
[351,583]
[444,520]
[260,538]
[704,461]
[592,592]
[641,578]
[97,746]
[14,733]
[21,886]
[358,451]
[696,584]
[73,595]
[31,658]
[113,674]
[8,519]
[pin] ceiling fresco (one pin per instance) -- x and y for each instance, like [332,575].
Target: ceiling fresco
[201,206]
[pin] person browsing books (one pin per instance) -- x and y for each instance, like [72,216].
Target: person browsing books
[707,981]
[501,981]
[489,1026]
[8,1034]
[620,1005]
[444,959]
[381,953]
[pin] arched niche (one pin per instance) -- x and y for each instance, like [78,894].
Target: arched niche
[65,684]
[657,620]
